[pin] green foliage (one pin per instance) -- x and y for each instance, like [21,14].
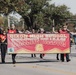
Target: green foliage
[5,22]
[36,13]
[61,14]
[1,20]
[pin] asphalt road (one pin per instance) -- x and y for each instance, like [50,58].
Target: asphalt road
[26,65]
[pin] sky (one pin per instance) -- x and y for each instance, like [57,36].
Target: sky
[69,3]
[16,16]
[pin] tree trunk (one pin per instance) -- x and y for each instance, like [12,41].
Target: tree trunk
[28,21]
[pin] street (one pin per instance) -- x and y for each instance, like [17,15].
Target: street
[26,65]
[45,28]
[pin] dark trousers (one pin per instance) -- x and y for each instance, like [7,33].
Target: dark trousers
[3,52]
[57,55]
[33,55]
[13,58]
[42,55]
[67,57]
[62,57]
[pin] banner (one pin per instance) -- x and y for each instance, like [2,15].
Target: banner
[38,43]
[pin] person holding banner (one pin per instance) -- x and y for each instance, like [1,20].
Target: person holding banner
[42,31]
[3,41]
[58,53]
[63,31]
[33,55]
[1,29]
[13,30]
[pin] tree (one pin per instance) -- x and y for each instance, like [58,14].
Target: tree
[61,14]
[1,20]
[36,13]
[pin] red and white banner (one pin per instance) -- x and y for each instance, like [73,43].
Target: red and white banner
[38,43]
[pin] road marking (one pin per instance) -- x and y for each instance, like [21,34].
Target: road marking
[48,69]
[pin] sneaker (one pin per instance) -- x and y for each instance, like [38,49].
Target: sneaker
[68,60]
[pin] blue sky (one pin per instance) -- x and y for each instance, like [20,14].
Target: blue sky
[70,3]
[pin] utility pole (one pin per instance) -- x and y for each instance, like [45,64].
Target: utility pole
[53,28]
[23,24]
[8,21]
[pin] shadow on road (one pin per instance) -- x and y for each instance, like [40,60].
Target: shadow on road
[33,61]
